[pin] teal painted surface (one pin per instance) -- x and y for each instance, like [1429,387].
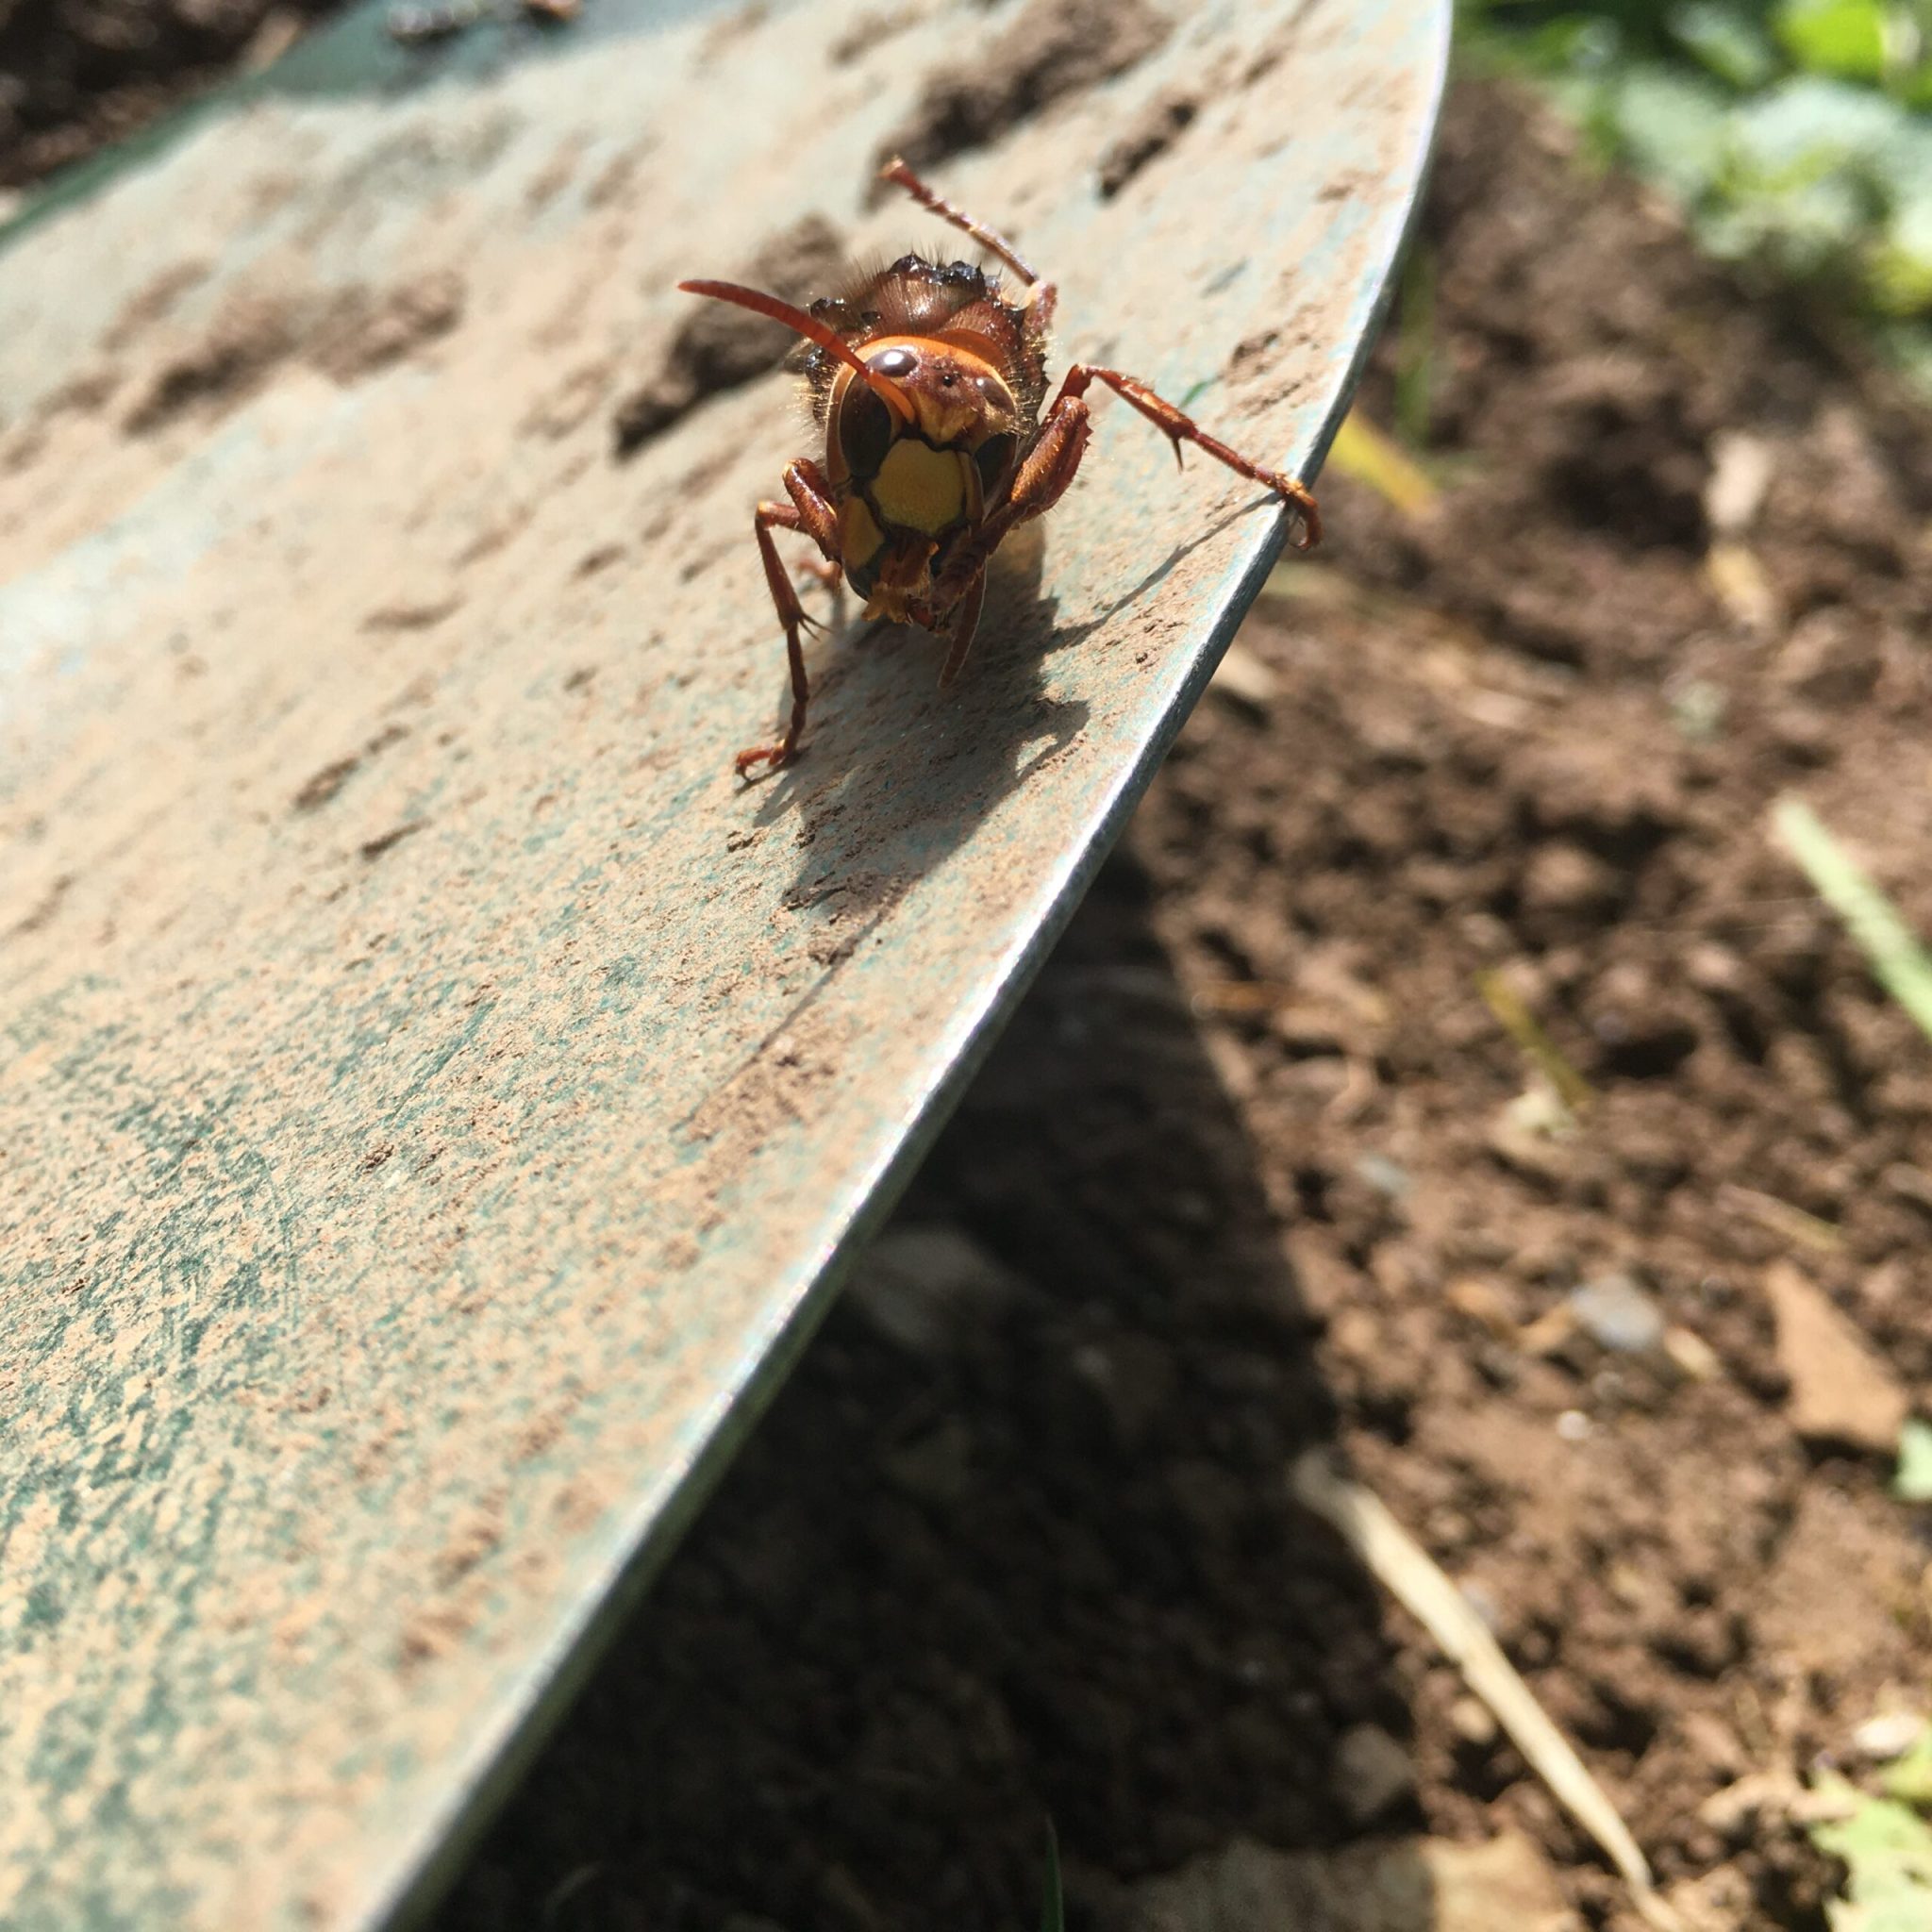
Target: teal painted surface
[433,1097]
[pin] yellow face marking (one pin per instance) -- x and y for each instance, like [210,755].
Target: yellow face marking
[859,536]
[921,489]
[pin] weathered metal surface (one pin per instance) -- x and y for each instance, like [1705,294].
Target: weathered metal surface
[433,1096]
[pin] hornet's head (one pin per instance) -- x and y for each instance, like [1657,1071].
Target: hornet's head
[912,471]
[923,432]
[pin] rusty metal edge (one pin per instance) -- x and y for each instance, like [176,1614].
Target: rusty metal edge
[405,1897]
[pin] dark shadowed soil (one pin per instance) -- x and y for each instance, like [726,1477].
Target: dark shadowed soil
[1264,1161]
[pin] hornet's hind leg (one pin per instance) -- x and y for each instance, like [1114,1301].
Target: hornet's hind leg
[1041,296]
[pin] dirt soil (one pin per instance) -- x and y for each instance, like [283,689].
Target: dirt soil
[1254,1168]
[75,75]
[1263,1162]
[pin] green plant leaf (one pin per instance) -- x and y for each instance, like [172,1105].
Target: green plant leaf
[1901,164]
[1795,135]
[1674,127]
[1808,126]
[1901,276]
[1913,1481]
[1053,1909]
[1810,233]
[1892,949]
[1909,1778]
[1841,37]
[1727,40]
[1886,1848]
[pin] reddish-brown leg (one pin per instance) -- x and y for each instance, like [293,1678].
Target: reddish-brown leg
[1179,429]
[810,491]
[1054,458]
[896,172]
[965,622]
[1041,297]
[1039,483]
[811,510]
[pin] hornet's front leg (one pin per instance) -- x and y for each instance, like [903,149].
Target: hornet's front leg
[961,630]
[1054,456]
[812,511]
[1049,465]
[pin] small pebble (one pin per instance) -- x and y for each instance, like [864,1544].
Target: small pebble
[927,1288]
[1741,466]
[1691,1355]
[1247,679]
[1572,1425]
[1372,1773]
[1473,1721]
[1843,1390]
[1618,1314]
[1889,1734]
[1385,1175]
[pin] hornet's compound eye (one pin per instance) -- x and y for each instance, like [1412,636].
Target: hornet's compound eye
[865,430]
[993,458]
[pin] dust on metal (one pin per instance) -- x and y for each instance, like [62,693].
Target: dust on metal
[434,1097]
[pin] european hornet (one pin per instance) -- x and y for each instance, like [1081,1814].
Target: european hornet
[929,378]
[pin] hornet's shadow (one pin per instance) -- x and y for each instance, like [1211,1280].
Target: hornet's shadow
[897,776]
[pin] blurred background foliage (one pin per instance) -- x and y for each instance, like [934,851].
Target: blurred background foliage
[1797,135]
